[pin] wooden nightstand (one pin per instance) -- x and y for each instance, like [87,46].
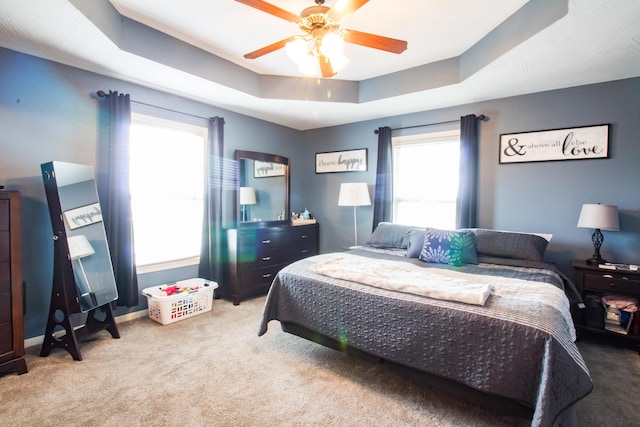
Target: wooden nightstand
[593,280]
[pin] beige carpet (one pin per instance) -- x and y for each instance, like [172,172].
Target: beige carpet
[213,369]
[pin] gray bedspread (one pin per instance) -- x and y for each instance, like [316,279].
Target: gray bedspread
[518,345]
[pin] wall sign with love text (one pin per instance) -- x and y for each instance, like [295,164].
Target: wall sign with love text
[589,142]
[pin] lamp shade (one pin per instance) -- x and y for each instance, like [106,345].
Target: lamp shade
[603,217]
[79,246]
[354,194]
[247,196]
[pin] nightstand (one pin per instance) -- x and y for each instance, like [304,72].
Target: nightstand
[593,280]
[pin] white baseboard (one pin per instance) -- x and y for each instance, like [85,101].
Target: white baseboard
[37,341]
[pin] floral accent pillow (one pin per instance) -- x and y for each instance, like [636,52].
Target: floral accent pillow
[449,247]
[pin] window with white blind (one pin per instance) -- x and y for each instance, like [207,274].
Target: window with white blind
[425,179]
[167,184]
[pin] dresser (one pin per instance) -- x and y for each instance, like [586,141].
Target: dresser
[594,282]
[11,309]
[255,255]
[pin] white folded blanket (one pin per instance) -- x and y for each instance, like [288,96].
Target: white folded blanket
[403,277]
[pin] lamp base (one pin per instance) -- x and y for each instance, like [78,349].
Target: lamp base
[596,261]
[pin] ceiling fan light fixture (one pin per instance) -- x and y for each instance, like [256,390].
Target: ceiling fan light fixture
[309,66]
[338,61]
[297,50]
[332,44]
[320,48]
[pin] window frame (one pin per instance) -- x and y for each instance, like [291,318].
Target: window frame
[434,137]
[151,120]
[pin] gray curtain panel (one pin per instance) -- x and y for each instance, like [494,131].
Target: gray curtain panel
[383,192]
[466,206]
[114,193]
[211,266]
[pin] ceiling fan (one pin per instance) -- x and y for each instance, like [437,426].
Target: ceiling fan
[321,27]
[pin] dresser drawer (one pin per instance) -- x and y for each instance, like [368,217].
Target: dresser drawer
[304,242]
[258,276]
[261,250]
[262,241]
[6,339]
[4,246]
[5,307]
[611,283]
[5,276]
[4,215]
[266,257]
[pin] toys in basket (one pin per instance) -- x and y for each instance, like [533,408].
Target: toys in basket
[180,300]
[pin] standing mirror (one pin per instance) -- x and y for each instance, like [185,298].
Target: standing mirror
[263,188]
[83,279]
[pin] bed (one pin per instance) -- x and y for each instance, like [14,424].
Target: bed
[476,307]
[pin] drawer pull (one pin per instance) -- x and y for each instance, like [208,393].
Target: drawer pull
[266,242]
[304,236]
[266,258]
[607,276]
[266,275]
[304,251]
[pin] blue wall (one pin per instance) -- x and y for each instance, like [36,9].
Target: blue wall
[534,197]
[49,112]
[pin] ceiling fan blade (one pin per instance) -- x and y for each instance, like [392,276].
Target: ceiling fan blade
[344,8]
[375,41]
[325,66]
[272,10]
[270,48]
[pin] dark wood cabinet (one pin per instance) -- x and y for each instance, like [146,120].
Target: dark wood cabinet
[594,282]
[11,308]
[255,255]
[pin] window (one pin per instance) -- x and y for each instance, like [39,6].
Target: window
[425,179]
[167,184]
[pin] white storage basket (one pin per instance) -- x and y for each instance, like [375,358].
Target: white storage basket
[195,296]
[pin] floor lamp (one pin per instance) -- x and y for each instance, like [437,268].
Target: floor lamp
[354,194]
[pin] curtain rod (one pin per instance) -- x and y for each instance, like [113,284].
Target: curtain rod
[480,117]
[102,94]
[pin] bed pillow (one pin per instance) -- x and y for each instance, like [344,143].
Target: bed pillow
[448,247]
[507,244]
[388,235]
[416,241]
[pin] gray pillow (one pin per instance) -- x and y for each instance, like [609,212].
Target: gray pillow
[416,240]
[507,244]
[388,235]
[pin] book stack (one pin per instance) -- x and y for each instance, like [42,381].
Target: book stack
[619,313]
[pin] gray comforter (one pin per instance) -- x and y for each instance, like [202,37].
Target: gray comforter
[519,345]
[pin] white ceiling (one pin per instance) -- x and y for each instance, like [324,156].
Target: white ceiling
[459,51]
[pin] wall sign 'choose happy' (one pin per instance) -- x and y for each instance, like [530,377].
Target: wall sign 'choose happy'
[589,142]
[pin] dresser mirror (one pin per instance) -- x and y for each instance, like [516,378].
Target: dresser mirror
[262,196]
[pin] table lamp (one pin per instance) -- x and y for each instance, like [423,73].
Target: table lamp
[247,197]
[599,217]
[354,194]
[79,247]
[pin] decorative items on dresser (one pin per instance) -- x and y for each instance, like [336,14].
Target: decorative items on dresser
[11,298]
[256,254]
[610,293]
